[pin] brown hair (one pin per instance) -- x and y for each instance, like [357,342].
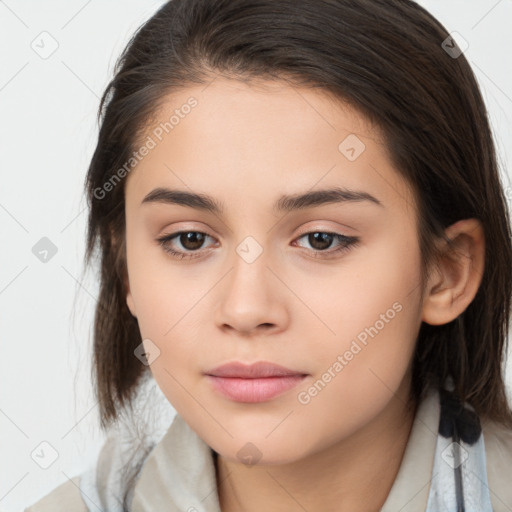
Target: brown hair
[384,57]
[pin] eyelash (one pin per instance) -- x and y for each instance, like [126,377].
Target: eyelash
[348,242]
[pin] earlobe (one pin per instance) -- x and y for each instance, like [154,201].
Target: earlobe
[458,273]
[130,303]
[119,245]
[129,297]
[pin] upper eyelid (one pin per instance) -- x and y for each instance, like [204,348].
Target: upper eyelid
[321,229]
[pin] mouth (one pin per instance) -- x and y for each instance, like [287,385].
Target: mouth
[258,382]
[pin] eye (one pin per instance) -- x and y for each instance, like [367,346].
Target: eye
[322,240]
[192,242]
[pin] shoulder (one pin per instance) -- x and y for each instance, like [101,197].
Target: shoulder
[64,497]
[498,450]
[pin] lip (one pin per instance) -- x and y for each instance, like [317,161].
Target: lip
[260,369]
[258,382]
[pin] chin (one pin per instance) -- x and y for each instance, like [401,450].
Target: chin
[260,451]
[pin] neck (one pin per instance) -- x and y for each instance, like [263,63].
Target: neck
[356,473]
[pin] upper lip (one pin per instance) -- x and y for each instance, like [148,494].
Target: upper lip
[252,371]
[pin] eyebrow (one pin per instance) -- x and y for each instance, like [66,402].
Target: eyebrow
[285,203]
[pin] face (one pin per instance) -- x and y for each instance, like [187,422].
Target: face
[327,286]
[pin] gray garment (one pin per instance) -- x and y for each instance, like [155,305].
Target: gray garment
[179,473]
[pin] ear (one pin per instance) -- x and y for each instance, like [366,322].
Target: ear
[458,274]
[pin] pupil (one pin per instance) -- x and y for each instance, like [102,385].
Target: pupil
[193,240]
[324,239]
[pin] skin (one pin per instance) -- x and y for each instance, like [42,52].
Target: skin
[245,144]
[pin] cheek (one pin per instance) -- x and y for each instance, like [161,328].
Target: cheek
[374,310]
[171,305]
[164,294]
[372,293]
[372,297]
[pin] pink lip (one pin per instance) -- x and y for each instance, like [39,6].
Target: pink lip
[258,382]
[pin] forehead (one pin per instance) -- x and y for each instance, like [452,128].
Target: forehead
[230,136]
[266,105]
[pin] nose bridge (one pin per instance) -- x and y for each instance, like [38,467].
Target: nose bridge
[249,250]
[250,266]
[248,298]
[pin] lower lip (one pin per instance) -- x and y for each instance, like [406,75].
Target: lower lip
[254,390]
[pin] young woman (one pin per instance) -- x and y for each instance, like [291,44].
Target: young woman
[304,242]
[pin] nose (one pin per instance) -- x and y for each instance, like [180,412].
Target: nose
[251,297]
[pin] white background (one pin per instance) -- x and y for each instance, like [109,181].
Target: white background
[47,135]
